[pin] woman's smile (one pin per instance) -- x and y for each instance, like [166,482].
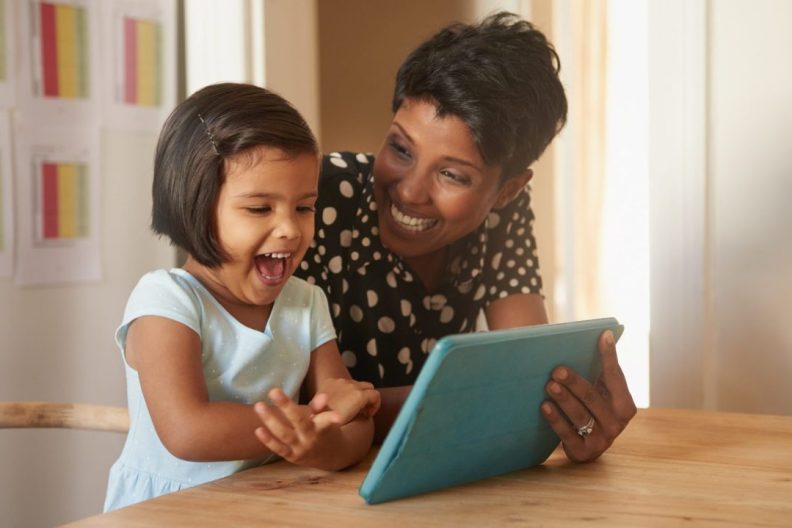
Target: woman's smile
[410,222]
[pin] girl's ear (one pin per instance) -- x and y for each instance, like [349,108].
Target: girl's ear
[510,189]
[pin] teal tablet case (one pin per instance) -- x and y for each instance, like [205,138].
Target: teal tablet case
[474,409]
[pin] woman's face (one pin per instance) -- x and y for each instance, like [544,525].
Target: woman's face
[430,183]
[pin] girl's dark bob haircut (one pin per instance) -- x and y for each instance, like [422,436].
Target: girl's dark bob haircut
[215,125]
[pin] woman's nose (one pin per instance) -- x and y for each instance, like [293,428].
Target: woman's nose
[414,187]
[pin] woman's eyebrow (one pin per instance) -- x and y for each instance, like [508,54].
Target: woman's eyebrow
[452,159]
[406,135]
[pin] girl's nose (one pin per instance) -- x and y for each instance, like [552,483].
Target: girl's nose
[414,186]
[287,226]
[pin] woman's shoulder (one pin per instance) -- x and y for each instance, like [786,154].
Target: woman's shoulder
[350,167]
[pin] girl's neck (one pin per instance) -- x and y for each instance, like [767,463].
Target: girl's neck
[252,316]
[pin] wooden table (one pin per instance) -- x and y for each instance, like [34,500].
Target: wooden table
[670,467]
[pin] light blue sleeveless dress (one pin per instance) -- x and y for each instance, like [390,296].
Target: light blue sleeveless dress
[240,364]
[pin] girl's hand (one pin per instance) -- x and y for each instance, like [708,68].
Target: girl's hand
[576,402]
[349,399]
[293,431]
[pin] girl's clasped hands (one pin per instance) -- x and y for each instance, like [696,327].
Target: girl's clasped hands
[305,434]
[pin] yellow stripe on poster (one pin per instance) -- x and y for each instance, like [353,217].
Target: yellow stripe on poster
[67,200]
[66,45]
[146,42]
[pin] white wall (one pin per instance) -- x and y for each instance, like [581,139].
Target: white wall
[57,344]
[721,173]
[750,134]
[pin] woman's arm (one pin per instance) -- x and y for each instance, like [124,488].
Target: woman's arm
[167,357]
[573,399]
[392,401]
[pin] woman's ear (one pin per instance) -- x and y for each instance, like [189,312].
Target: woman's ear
[511,188]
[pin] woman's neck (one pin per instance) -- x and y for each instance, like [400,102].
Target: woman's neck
[430,268]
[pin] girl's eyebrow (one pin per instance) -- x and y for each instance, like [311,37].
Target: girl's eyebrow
[304,196]
[452,159]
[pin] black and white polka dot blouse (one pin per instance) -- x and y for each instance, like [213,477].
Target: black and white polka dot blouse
[387,322]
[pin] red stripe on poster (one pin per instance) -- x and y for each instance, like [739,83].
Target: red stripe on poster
[49,52]
[49,172]
[130,60]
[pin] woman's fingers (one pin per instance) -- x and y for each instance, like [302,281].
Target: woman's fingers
[613,380]
[575,401]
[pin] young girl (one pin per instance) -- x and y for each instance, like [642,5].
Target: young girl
[235,183]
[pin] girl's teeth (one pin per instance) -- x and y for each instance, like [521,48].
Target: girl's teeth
[278,255]
[410,222]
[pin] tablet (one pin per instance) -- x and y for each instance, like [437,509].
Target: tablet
[474,409]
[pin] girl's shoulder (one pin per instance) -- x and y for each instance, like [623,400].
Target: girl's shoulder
[173,288]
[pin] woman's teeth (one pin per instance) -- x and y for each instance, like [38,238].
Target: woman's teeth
[410,222]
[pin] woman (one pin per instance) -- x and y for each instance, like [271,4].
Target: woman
[412,245]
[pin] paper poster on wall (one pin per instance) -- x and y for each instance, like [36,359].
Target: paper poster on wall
[7,46]
[6,204]
[58,205]
[139,51]
[59,60]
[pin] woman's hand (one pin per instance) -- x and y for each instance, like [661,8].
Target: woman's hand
[575,402]
[349,399]
[293,431]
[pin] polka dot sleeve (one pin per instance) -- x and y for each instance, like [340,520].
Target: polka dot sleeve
[336,214]
[511,265]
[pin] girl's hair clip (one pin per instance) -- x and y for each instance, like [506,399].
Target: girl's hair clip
[211,136]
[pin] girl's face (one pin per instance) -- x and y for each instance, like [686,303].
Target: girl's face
[430,183]
[265,223]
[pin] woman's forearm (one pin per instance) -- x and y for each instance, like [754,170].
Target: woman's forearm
[392,399]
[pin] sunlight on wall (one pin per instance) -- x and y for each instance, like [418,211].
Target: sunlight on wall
[625,258]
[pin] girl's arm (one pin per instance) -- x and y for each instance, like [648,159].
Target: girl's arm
[328,440]
[167,357]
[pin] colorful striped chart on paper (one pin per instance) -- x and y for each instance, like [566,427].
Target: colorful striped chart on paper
[64,200]
[63,40]
[142,62]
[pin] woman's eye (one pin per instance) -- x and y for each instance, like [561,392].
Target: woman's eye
[399,150]
[456,178]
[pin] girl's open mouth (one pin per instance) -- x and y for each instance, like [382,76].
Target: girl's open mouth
[272,267]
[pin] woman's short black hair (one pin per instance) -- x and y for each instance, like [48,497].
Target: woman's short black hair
[213,126]
[500,77]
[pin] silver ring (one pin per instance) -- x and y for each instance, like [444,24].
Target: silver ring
[585,430]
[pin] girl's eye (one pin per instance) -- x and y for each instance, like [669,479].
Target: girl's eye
[306,209]
[258,210]
[454,177]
